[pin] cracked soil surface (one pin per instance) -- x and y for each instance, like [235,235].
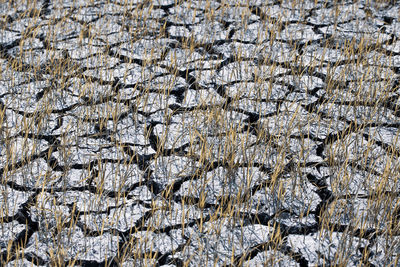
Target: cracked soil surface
[187,133]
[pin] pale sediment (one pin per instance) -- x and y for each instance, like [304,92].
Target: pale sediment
[223,133]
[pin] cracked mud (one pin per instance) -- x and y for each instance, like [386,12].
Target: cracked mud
[222,133]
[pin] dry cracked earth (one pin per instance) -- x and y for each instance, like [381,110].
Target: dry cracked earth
[215,133]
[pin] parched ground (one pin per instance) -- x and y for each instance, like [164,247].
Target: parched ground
[199,133]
